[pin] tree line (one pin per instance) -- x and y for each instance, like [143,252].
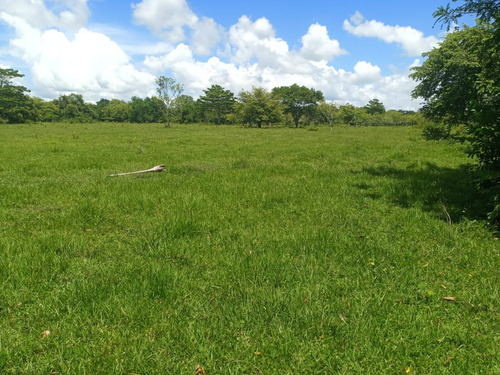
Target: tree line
[287,105]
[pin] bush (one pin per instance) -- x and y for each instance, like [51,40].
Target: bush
[435,132]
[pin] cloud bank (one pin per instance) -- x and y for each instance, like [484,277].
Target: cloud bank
[64,55]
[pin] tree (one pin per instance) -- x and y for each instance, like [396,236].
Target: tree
[460,83]
[217,103]
[168,91]
[258,107]
[187,110]
[351,115]
[46,111]
[73,108]
[374,107]
[297,100]
[117,111]
[329,111]
[146,110]
[485,10]
[15,106]
[100,109]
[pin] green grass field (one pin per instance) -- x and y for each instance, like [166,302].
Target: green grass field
[257,251]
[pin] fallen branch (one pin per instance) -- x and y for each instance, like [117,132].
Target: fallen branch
[158,168]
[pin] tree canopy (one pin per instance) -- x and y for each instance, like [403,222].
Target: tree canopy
[298,100]
[460,80]
[217,103]
[259,107]
[375,106]
[168,91]
[484,10]
[15,106]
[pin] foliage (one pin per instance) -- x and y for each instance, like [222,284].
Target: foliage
[15,105]
[329,111]
[100,107]
[259,107]
[460,80]
[168,91]
[374,107]
[351,115]
[435,131]
[187,110]
[116,111]
[46,111]
[298,100]
[73,108]
[216,104]
[146,110]
[484,10]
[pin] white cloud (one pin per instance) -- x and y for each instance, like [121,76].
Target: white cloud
[165,18]
[317,45]
[90,63]
[256,41]
[412,41]
[364,72]
[73,14]
[206,34]
[168,19]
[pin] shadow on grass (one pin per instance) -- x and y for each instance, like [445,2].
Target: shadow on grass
[439,190]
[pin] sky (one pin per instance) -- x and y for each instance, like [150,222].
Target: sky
[353,51]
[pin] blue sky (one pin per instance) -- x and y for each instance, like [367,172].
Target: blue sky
[353,50]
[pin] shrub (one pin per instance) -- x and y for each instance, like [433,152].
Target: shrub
[434,131]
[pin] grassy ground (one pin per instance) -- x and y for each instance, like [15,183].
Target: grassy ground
[271,251]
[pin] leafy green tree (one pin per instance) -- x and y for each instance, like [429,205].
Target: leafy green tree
[375,106]
[168,91]
[460,82]
[298,100]
[74,109]
[217,103]
[186,110]
[46,111]
[100,109]
[116,111]
[329,111]
[351,115]
[484,10]
[259,107]
[15,105]
[146,110]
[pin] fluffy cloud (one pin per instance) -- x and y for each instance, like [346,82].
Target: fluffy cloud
[413,41]
[364,72]
[206,34]
[73,14]
[165,18]
[256,40]
[317,45]
[90,63]
[169,19]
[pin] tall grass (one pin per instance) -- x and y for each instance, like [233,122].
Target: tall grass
[256,252]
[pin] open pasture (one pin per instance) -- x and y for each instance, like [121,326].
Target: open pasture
[257,251]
